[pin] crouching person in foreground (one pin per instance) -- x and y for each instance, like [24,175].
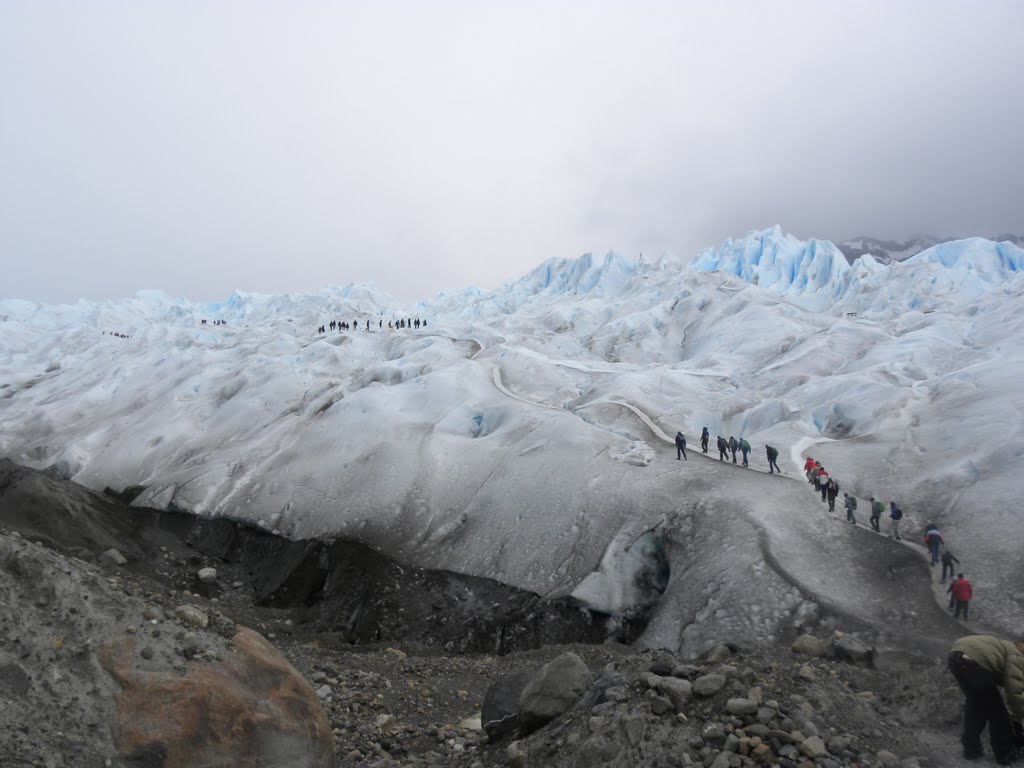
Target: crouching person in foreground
[980,664]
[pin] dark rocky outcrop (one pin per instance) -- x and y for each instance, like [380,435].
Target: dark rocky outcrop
[338,586]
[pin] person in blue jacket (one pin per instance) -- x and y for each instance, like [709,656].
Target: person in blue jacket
[895,516]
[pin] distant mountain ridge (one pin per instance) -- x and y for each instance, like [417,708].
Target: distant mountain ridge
[888,251]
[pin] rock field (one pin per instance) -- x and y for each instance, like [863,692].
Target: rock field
[202,644]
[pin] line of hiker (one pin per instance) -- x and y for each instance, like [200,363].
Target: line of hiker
[344,325]
[117,334]
[959,590]
[215,322]
[727,447]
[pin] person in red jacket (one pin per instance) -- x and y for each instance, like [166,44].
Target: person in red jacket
[961,589]
[808,466]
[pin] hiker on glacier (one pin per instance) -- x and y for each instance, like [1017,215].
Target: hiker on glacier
[981,664]
[895,516]
[704,437]
[831,492]
[948,558]
[681,447]
[850,502]
[962,594]
[733,445]
[934,540]
[877,508]
[949,590]
[723,448]
[823,483]
[745,449]
[808,468]
[773,455]
[815,471]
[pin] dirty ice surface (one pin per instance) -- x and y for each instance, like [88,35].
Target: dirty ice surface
[525,433]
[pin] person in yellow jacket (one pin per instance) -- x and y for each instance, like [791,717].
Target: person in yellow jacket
[981,665]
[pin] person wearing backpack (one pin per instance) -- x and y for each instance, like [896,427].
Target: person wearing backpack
[822,485]
[723,448]
[832,493]
[733,446]
[680,447]
[773,455]
[744,449]
[934,540]
[895,516]
[704,437]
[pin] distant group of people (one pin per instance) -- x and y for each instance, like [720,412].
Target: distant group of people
[117,334]
[408,323]
[960,590]
[727,447]
[344,325]
[980,664]
[215,322]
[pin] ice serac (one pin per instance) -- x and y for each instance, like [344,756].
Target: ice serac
[971,267]
[577,277]
[812,274]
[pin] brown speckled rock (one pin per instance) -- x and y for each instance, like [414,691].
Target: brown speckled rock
[250,709]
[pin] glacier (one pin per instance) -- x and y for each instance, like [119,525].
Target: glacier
[525,434]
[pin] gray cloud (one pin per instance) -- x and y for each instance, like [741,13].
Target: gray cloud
[272,147]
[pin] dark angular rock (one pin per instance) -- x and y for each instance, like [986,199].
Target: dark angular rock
[848,648]
[660,706]
[500,712]
[13,681]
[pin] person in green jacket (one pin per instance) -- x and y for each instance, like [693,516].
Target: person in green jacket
[980,664]
[877,508]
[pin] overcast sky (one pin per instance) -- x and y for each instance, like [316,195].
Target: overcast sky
[201,147]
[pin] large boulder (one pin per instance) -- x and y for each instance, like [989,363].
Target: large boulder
[678,691]
[499,714]
[809,645]
[552,690]
[709,685]
[848,648]
[252,708]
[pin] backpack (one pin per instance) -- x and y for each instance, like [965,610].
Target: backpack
[744,445]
